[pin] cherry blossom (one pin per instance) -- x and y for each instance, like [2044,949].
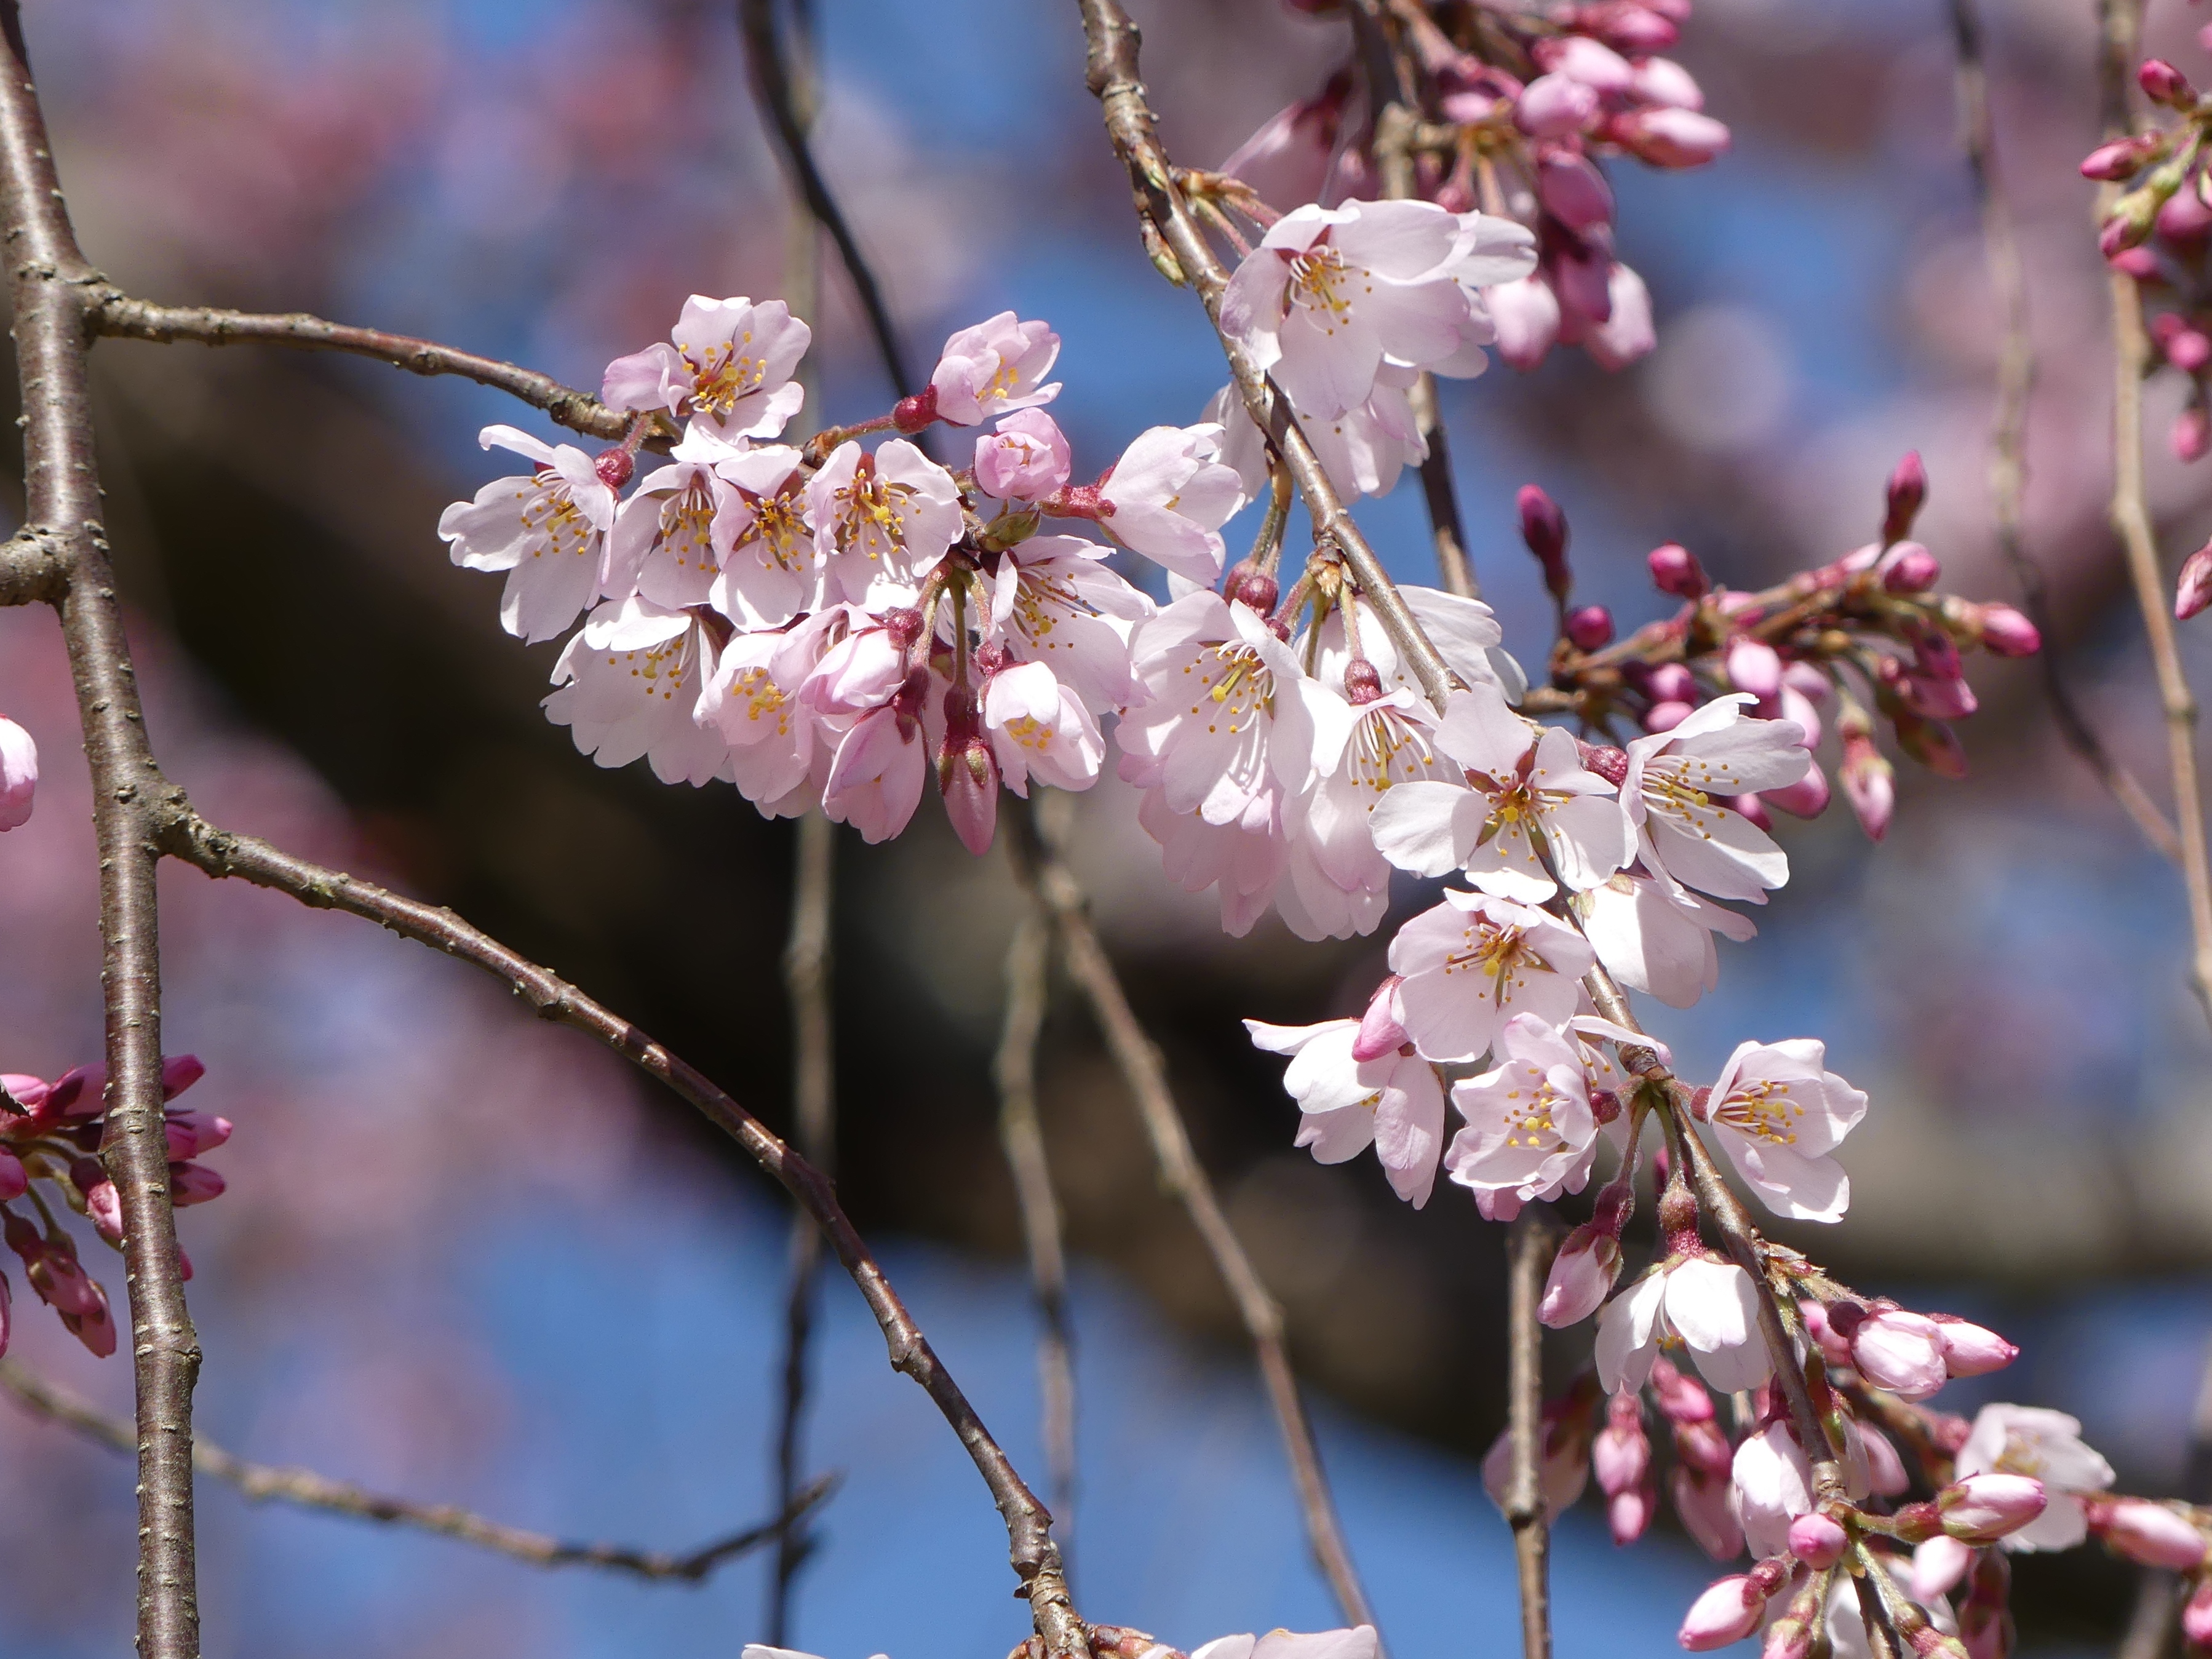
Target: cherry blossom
[2046,1445]
[1168,497]
[1981,1509]
[1780,1114]
[1394,1102]
[727,366]
[1358,1643]
[994,367]
[662,544]
[546,529]
[1774,1483]
[1532,807]
[1038,727]
[1363,450]
[1024,459]
[881,763]
[1053,600]
[752,700]
[882,521]
[1473,962]
[19,775]
[1706,1305]
[630,681]
[1655,936]
[1340,884]
[1530,1134]
[1671,791]
[768,568]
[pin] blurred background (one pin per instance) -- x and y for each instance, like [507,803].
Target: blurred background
[471,1258]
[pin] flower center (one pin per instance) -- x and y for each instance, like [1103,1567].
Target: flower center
[1320,281]
[553,514]
[1241,686]
[1386,749]
[1762,1110]
[723,376]
[872,512]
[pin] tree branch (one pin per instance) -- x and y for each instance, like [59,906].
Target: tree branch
[1529,1252]
[111,312]
[2008,427]
[1021,1135]
[51,281]
[1036,1558]
[814,1105]
[1111,73]
[1046,878]
[261,1482]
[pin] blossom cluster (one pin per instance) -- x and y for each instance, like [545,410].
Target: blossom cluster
[52,1133]
[1517,107]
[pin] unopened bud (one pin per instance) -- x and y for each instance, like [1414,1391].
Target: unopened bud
[1380,1031]
[1984,1507]
[1728,1611]
[2006,633]
[1253,587]
[904,623]
[1755,666]
[1808,798]
[179,1073]
[1705,1503]
[193,1184]
[1938,1564]
[2116,162]
[1362,682]
[1971,1350]
[1906,491]
[1621,1456]
[1703,1446]
[2140,263]
[1628,1514]
[615,466]
[1582,1273]
[1752,810]
[2149,1534]
[2187,347]
[2194,590]
[1932,743]
[1909,568]
[1666,716]
[2162,83]
[1544,527]
[1816,1541]
[1676,570]
[1671,682]
[2190,434]
[1590,627]
[2196,1616]
[1666,137]
[1869,784]
[1608,763]
[911,414]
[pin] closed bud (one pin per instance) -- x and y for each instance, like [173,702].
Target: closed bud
[2149,1534]
[1628,1514]
[1755,666]
[1728,1611]
[1900,1352]
[1253,587]
[2193,592]
[1667,137]
[911,414]
[1380,1032]
[19,774]
[193,1184]
[1903,497]
[1544,528]
[1621,1456]
[2006,633]
[1582,1273]
[1932,743]
[2187,347]
[1971,1350]
[1590,627]
[2190,434]
[1671,682]
[967,774]
[1938,1564]
[1816,1541]
[2140,263]
[615,467]
[1788,1638]
[1680,1399]
[1984,1507]
[2162,83]
[1703,1502]
[13,1182]
[2196,1616]
[1703,1446]
[1666,716]
[1751,809]
[2116,162]
[1676,570]
[179,1073]
[1909,568]
[1808,798]
[1363,683]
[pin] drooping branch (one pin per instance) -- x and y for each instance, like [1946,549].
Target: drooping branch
[62,500]
[2009,425]
[1527,1259]
[1111,73]
[111,312]
[265,1482]
[1036,1558]
[1046,878]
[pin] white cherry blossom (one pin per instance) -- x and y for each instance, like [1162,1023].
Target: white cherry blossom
[876,776]
[1655,936]
[727,366]
[1054,601]
[663,541]
[1358,1643]
[547,529]
[1168,496]
[1695,1302]
[19,775]
[630,683]
[1038,728]
[768,565]
[1473,962]
[882,521]
[2047,1445]
[1530,1134]
[1780,1114]
[1674,778]
[1393,1102]
[1339,884]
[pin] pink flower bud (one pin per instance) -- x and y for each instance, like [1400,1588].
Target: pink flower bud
[1808,798]
[2116,162]
[1931,743]
[1676,570]
[179,1073]
[104,1206]
[1590,62]
[2196,1616]
[78,1094]
[1631,28]
[1670,137]
[1663,80]
[1707,1515]
[1869,784]
[192,1134]
[1526,314]
[2006,633]
[2190,434]
[1969,1350]
[1590,627]
[615,466]
[2162,83]
[1938,1564]
[2194,591]
[193,1184]
[2186,216]
[1755,666]
[14,1183]
[1884,1468]
[2188,349]
[1628,1514]
[1728,1611]
[1252,587]
[2149,1534]
[1544,528]
[1582,1273]
[1983,1508]
[1671,682]
[1024,458]
[95,1326]
[1380,1031]
[1816,1541]
[1909,568]
[1903,496]
[19,774]
[1832,1347]
[2139,263]
[1702,1446]
[1666,716]
[1751,809]
[1620,1456]
[1572,191]
[27,1092]
[1680,1399]
[1554,106]
[911,414]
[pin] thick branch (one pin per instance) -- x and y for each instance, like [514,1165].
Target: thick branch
[1048,879]
[1528,1260]
[2008,427]
[111,312]
[1112,76]
[1036,1558]
[62,503]
[261,1482]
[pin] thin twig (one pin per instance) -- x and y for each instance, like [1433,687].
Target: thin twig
[2131,519]
[814,1107]
[1021,1136]
[185,834]
[62,498]
[1529,1252]
[261,1482]
[772,90]
[1046,878]
[1111,73]
[111,312]
[2015,382]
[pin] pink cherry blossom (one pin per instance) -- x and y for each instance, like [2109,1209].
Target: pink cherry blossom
[1626,332]
[1729,1610]
[1895,1350]
[1473,962]
[1530,1134]
[1340,884]
[727,366]
[1024,459]
[1581,1278]
[1780,1114]
[630,683]
[776,757]
[663,540]
[1393,1102]
[1168,496]
[2149,1534]
[1532,807]
[1674,779]
[1525,313]
[19,774]
[1054,601]
[882,521]
[1706,1305]
[2044,1445]
[1555,106]
[1773,1481]
[1358,1643]
[1706,1504]
[546,529]
[994,367]
[1655,936]
[1938,1565]
[1038,728]
[768,565]
[881,763]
